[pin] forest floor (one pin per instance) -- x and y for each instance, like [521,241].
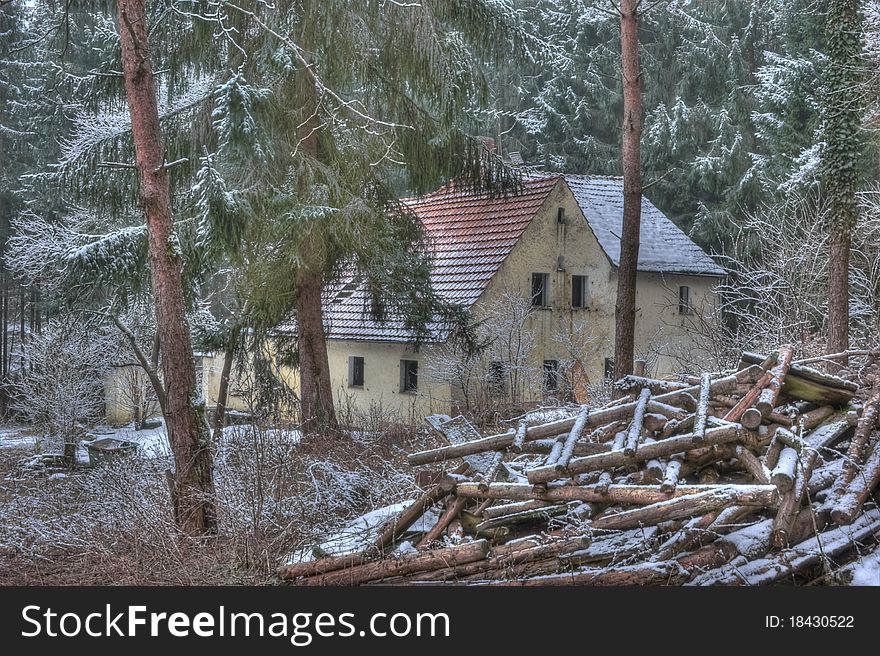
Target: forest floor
[278,494]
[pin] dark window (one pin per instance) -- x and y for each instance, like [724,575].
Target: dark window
[578,291]
[684,300]
[609,368]
[355,371]
[409,375]
[560,215]
[540,282]
[497,377]
[551,375]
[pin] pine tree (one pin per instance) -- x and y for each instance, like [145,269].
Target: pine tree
[317,136]
[184,409]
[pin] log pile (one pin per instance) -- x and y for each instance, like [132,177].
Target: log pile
[762,475]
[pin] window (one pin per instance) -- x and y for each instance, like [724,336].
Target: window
[551,375]
[497,377]
[560,215]
[355,371]
[540,285]
[578,291]
[409,375]
[609,368]
[684,300]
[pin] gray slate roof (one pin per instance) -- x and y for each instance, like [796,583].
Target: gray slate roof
[664,248]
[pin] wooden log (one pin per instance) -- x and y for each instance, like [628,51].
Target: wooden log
[575,434]
[668,411]
[848,505]
[667,573]
[635,431]
[389,567]
[580,448]
[688,506]
[619,441]
[675,426]
[670,476]
[767,399]
[807,553]
[508,508]
[555,452]
[521,517]
[320,566]
[659,449]
[789,439]
[655,422]
[771,457]
[822,438]
[815,417]
[799,370]
[398,525]
[857,451]
[615,493]
[749,398]
[753,542]
[752,418]
[457,505]
[597,418]
[690,535]
[752,465]
[504,557]
[784,473]
[520,437]
[492,470]
[633,383]
[605,481]
[699,431]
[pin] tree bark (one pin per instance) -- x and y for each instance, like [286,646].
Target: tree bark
[625,310]
[844,107]
[185,421]
[223,390]
[316,391]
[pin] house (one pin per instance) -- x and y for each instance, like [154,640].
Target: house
[555,244]
[553,247]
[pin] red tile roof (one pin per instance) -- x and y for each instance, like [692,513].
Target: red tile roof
[469,236]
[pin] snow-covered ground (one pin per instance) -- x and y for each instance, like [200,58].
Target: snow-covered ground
[151,442]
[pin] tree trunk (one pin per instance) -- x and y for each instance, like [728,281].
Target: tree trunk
[316,391]
[840,160]
[187,429]
[625,310]
[223,391]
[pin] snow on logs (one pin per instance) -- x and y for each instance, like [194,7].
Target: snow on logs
[695,482]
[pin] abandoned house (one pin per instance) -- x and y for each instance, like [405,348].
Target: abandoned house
[550,254]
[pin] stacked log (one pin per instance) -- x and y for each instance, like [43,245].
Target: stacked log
[752,476]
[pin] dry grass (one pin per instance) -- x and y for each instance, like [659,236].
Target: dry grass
[111,525]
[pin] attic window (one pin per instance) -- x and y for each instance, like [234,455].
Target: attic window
[560,215]
[355,371]
[684,300]
[578,291]
[540,285]
[409,375]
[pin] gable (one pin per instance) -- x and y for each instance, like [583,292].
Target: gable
[663,246]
